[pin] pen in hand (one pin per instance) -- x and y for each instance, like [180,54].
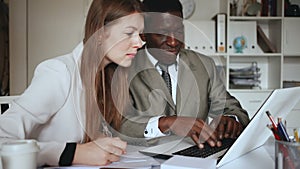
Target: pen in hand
[106,131]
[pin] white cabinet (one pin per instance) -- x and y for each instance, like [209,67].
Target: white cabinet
[291,51]
[291,36]
[251,101]
[293,117]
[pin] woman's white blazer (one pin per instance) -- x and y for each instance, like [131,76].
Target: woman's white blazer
[51,109]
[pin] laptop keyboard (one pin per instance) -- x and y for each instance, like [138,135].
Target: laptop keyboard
[207,150]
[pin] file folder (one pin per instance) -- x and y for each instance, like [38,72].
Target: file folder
[221,32]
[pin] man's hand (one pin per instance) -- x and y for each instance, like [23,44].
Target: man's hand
[197,129]
[226,127]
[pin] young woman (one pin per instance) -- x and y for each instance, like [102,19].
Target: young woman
[72,99]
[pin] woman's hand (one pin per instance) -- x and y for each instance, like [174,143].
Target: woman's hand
[101,151]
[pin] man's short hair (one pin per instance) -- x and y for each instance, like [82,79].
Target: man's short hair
[162,6]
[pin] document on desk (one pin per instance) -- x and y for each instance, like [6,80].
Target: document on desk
[131,160]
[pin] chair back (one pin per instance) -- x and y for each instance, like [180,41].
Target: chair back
[5,102]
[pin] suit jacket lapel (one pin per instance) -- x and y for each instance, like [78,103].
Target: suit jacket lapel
[149,74]
[186,83]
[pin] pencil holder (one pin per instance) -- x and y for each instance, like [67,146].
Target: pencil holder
[287,155]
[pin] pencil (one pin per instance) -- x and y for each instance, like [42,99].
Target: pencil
[274,127]
[272,121]
[282,131]
[275,133]
[296,135]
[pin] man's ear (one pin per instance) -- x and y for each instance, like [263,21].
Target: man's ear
[143,37]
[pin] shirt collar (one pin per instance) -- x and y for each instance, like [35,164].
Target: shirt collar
[154,61]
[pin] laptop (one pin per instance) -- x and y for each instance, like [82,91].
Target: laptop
[279,103]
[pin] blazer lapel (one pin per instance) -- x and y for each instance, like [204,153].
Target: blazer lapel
[149,75]
[187,87]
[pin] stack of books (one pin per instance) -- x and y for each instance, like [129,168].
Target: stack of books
[291,83]
[245,78]
[269,8]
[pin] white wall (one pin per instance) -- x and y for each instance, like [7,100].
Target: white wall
[54,28]
[41,29]
[205,9]
[17,46]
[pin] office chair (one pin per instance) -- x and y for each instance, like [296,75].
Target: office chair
[5,102]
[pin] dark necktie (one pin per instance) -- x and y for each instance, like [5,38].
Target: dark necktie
[166,76]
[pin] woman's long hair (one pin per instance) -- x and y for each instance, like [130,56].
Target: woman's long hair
[97,80]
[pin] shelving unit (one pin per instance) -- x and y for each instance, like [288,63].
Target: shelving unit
[270,68]
[276,67]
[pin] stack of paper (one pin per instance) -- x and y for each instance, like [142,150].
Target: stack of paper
[247,77]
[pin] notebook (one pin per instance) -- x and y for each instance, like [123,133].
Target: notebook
[279,103]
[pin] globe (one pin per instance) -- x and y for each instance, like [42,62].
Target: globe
[239,43]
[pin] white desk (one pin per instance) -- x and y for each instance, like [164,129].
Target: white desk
[260,158]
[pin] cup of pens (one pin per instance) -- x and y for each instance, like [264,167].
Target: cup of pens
[287,154]
[287,144]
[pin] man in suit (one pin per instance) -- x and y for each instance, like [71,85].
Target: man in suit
[196,91]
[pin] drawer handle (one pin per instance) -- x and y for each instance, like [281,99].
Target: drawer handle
[255,101]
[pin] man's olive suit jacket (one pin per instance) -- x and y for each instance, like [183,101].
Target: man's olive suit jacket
[200,93]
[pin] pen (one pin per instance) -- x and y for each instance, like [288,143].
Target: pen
[271,119]
[296,135]
[275,133]
[274,126]
[106,131]
[282,131]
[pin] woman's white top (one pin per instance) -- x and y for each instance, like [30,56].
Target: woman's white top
[51,109]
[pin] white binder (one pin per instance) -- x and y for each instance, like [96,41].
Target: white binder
[221,32]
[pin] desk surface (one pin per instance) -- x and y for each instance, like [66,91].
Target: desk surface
[261,158]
